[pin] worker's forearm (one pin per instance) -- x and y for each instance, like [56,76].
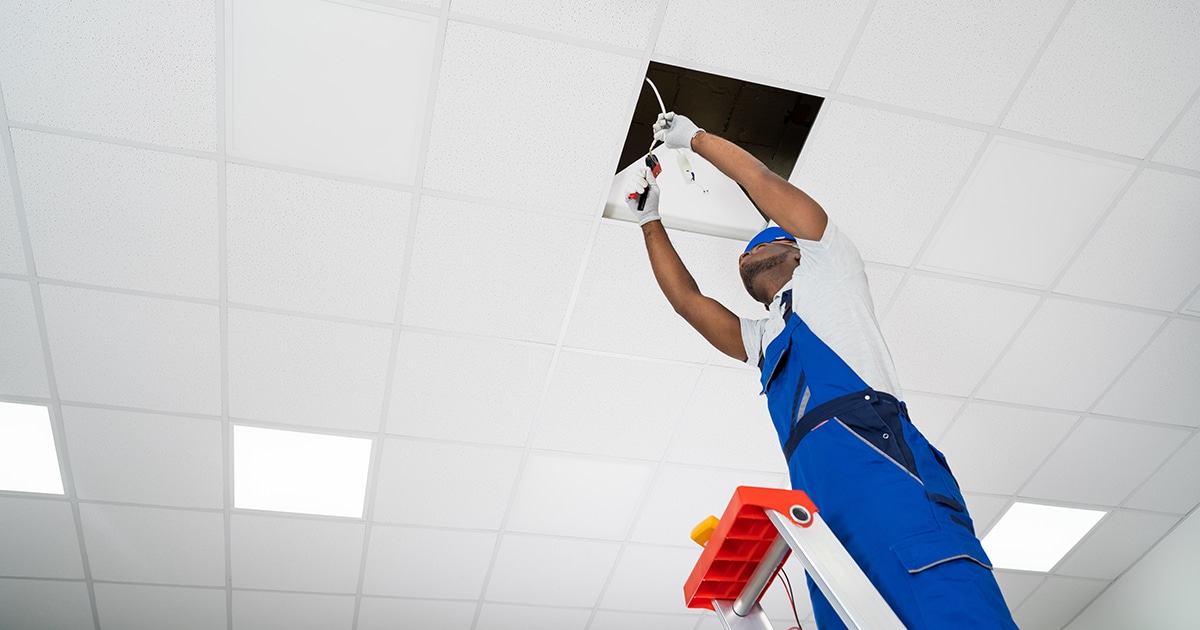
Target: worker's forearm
[732,160]
[673,278]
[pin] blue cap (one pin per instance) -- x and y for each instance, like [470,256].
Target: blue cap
[766,236]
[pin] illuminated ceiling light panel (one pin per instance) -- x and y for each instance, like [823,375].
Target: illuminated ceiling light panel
[335,86]
[306,473]
[28,457]
[1032,537]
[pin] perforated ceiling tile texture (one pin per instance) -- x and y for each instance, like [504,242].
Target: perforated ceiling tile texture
[139,70]
[134,351]
[44,605]
[550,571]
[566,495]
[726,425]
[1144,49]
[1068,354]
[298,611]
[682,496]
[290,554]
[295,370]
[492,271]
[314,245]
[647,579]
[381,613]
[1158,385]
[155,546]
[1115,544]
[1174,488]
[963,64]
[505,151]
[806,43]
[613,620]
[1182,146]
[466,389]
[624,23]
[1056,601]
[1144,253]
[39,539]
[12,250]
[140,607]
[994,448]
[884,178]
[932,414]
[120,217]
[944,335]
[22,360]
[503,616]
[430,563]
[883,283]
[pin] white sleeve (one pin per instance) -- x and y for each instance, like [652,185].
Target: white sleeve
[752,338]
[833,257]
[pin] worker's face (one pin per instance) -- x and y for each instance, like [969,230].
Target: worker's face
[755,264]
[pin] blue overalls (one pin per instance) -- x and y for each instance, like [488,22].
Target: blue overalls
[883,489]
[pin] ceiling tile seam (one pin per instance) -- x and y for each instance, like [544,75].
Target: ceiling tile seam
[407,6]
[641,358]
[28,400]
[57,426]
[113,140]
[852,48]
[33,578]
[222,25]
[150,506]
[529,31]
[143,410]
[379,440]
[1034,63]
[122,291]
[471,336]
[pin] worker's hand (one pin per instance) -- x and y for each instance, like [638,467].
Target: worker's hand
[642,183]
[675,131]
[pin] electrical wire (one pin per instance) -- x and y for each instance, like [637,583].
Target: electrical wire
[661,106]
[787,587]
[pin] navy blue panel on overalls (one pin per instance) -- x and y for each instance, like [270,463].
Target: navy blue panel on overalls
[882,488]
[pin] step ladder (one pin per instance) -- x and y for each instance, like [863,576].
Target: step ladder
[745,548]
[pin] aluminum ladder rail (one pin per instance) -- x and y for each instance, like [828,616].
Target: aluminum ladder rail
[753,538]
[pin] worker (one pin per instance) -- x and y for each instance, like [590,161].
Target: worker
[831,389]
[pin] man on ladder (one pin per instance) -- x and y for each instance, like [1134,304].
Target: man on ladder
[884,491]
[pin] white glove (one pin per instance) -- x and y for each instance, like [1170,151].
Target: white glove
[642,183]
[675,131]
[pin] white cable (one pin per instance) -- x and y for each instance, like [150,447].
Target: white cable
[661,106]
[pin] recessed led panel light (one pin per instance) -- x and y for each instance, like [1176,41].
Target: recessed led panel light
[28,457]
[1033,537]
[291,471]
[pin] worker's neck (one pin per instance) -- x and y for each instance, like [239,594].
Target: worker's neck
[770,283]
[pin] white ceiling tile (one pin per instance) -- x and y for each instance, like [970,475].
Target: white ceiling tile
[291,554]
[133,457]
[316,245]
[136,544]
[550,571]
[995,449]
[578,496]
[413,562]
[332,86]
[44,605]
[492,271]
[139,607]
[727,425]
[453,485]
[801,44]
[134,351]
[1175,487]
[650,579]
[1069,354]
[944,335]
[618,273]
[290,369]
[1114,76]
[884,178]
[22,361]
[1152,228]
[1055,602]
[496,405]
[1025,209]
[634,417]
[958,63]
[511,617]
[141,70]
[12,249]
[1160,384]
[260,610]
[1193,306]
[1102,461]
[117,216]
[984,510]
[502,151]
[616,620]
[682,496]
[381,613]
[624,23]
[883,283]
[1115,544]
[39,539]
[1017,585]
[932,414]
[1182,147]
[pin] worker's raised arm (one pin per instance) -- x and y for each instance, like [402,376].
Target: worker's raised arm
[788,206]
[709,317]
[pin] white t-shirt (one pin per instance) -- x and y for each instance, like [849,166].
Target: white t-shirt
[829,292]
